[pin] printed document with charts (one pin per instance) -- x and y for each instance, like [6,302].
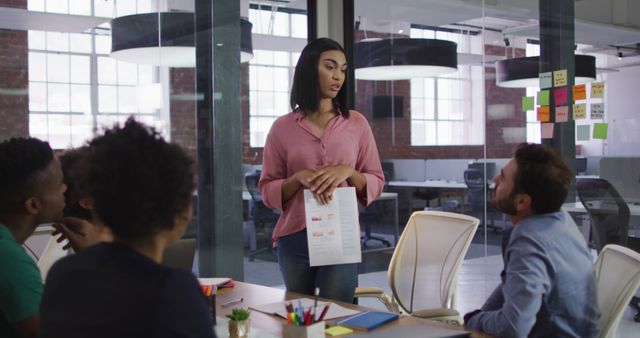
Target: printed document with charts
[333,231]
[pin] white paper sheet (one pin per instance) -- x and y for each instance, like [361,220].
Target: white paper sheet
[214,281]
[278,308]
[333,231]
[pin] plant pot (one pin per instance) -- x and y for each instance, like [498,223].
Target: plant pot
[239,329]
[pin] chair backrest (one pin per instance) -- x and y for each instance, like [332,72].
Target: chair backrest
[51,253]
[477,186]
[180,254]
[251,181]
[260,212]
[426,260]
[609,213]
[617,272]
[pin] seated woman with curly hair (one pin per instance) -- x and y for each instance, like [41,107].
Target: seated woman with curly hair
[141,189]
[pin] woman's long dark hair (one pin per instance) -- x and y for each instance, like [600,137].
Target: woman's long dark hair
[305,91]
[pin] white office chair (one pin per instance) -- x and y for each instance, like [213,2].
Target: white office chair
[424,267]
[51,253]
[618,277]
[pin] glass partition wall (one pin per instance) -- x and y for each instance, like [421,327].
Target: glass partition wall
[448,114]
[425,82]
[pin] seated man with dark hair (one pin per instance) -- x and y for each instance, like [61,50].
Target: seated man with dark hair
[548,285]
[31,193]
[141,189]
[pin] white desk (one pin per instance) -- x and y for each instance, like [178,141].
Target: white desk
[436,184]
[578,208]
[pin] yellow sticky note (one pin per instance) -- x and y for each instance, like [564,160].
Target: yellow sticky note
[579,92]
[560,78]
[579,111]
[338,330]
[597,90]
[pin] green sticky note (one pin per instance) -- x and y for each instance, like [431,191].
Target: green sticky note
[583,132]
[527,103]
[543,98]
[600,131]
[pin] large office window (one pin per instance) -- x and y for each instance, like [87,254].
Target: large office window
[271,70]
[443,109]
[270,74]
[75,88]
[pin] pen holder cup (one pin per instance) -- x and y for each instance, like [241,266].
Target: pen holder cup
[312,331]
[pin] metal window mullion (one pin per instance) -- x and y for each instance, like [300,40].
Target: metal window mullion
[436,108]
[93,80]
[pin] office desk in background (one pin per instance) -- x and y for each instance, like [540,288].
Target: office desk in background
[460,187]
[578,208]
[385,196]
[254,295]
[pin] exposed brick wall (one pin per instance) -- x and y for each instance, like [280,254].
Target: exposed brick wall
[508,98]
[183,109]
[14,79]
[399,145]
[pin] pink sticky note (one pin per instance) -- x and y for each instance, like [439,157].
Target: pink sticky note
[560,96]
[547,130]
[562,114]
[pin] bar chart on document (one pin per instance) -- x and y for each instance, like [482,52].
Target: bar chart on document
[333,232]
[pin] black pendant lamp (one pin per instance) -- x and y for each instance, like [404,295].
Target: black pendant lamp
[524,72]
[135,38]
[405,58]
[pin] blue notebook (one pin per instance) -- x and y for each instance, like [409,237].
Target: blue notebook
[368,320]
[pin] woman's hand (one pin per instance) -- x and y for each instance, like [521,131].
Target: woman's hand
[326,180]
[304,177]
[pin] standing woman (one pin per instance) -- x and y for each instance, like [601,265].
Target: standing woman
[320,145]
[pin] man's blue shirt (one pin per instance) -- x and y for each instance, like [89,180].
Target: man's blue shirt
[548,286]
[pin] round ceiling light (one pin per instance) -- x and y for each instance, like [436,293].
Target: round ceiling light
[524,72]
[400,59]
[135,38]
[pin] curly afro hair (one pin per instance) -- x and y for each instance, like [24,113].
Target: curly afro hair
[138,181]
[23,162]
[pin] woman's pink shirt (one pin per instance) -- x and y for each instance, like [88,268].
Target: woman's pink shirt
[292,146]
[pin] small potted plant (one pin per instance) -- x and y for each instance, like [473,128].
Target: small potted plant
[239,323]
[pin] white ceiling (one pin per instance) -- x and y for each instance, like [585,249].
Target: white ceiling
[514,17]
[21,19]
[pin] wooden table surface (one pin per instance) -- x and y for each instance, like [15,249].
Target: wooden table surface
[254,295]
